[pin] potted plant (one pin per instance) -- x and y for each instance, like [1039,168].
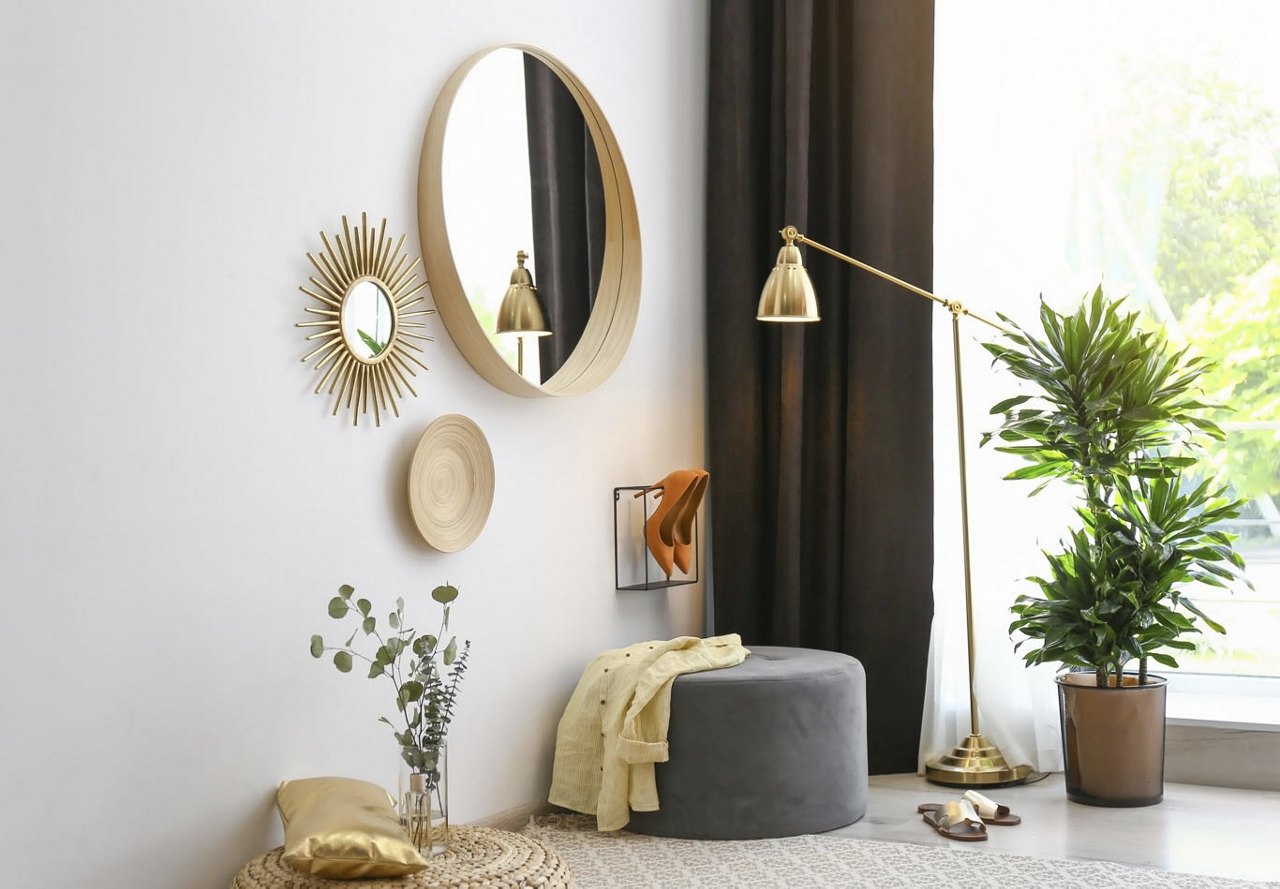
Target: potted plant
[1115,411]
[425,671]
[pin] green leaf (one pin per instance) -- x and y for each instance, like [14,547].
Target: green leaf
[342,660]
[393,620]
[338,607]
[368,625]
[373,345]
[1033,471]
[444,594]
[346,590]
[451,651]
[1002,406]
[317,646]
[365,607]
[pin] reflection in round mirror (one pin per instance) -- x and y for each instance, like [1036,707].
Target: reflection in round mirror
[518,146]
[367,321]
[518,157]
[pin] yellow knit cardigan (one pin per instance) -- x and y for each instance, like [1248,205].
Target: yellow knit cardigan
[615,726]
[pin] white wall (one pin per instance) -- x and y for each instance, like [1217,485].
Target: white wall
[178,507]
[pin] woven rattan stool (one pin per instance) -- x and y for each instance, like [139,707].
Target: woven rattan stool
[477,856]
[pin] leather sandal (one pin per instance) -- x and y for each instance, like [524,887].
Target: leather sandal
[955,820]
[990,811]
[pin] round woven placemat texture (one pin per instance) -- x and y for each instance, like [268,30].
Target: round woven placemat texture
[477,856]
[451,482]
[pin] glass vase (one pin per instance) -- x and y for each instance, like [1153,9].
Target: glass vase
[424,797]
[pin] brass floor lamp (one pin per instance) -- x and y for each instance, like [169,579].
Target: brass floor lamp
[788,296]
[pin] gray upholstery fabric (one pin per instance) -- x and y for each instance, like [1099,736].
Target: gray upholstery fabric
[776,746]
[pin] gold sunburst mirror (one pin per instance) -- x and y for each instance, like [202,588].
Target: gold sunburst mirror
[369,307]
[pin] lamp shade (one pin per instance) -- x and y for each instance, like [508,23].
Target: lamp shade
[788,292]
[520,312]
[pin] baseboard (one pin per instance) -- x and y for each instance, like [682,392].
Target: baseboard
[514,819]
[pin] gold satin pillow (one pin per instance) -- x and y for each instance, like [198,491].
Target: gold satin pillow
[343,829]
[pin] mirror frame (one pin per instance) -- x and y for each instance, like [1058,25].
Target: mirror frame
[361,255]
[613,315]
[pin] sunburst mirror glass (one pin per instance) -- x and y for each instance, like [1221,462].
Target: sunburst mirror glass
[369,318]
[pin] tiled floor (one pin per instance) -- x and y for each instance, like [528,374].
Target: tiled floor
[1207,830]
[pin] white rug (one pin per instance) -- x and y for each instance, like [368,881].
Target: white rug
[620,859]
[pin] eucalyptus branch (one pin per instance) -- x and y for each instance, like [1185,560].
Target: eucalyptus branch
[425,694]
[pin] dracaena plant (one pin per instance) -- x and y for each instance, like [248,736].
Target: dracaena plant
[1115,411]
[424,669]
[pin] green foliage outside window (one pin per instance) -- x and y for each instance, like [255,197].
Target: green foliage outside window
[1194,163]
[1221,213]
[1240,331]
[1211,149]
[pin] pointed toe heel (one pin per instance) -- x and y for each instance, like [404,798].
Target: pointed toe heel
[659,528]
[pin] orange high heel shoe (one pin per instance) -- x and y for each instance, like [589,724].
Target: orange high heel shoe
[682,520]
[657,530]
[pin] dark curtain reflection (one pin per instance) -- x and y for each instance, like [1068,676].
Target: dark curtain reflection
[820,436]
[568,211]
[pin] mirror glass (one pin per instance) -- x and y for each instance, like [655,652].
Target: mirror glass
[520,171]
[367,320]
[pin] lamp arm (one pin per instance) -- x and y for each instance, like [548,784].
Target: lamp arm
[791,234]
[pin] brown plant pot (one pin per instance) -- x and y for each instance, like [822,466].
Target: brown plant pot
[1113,739]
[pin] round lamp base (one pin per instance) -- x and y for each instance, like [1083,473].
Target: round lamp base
[975,762]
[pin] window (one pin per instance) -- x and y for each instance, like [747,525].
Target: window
[1136,144]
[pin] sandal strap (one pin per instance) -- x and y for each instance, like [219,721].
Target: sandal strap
[959,811]
[986,807]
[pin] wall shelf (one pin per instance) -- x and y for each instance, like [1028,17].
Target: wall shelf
[633,566]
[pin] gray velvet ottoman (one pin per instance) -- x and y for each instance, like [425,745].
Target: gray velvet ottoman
[776,746]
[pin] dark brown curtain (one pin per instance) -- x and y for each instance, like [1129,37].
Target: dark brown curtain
[568,211]
[820,435]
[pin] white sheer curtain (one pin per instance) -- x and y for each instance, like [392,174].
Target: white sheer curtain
[1031,118]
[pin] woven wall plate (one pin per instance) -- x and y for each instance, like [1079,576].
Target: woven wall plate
[451,483]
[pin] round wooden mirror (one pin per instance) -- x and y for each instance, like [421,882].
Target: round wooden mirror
[518,158]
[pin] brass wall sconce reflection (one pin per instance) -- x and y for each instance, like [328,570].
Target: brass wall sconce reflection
[520,314]
[788,296]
